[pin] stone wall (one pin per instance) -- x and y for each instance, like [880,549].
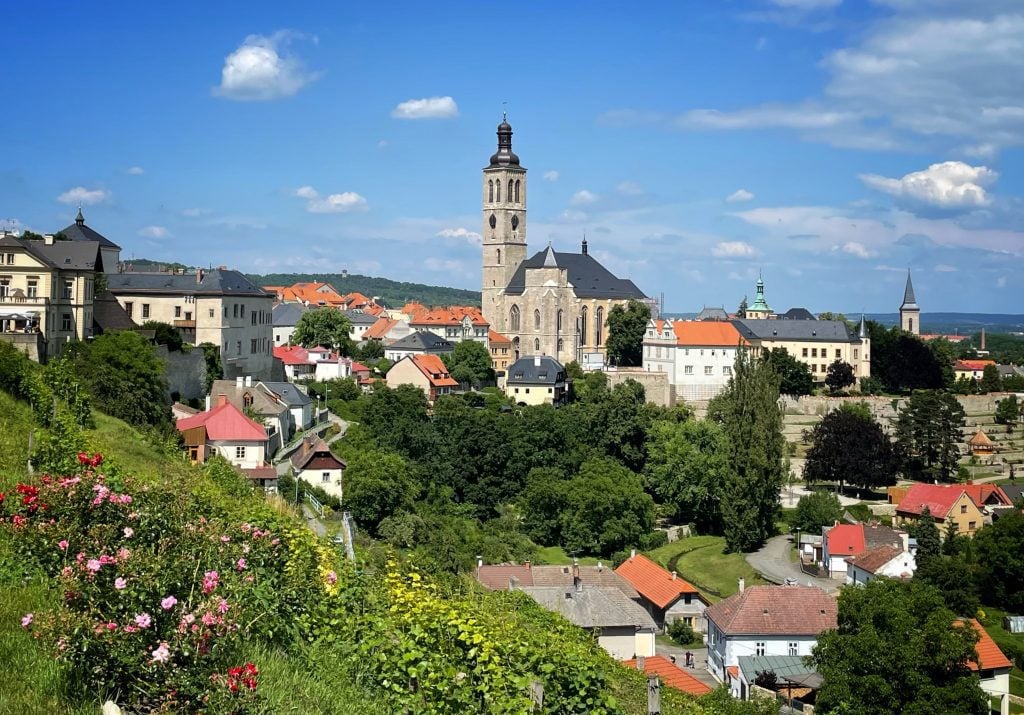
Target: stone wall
[185,372]
[656,385]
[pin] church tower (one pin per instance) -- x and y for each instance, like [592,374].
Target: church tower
[910,313]
[504,223]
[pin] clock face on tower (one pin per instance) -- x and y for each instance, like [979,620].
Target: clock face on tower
[515,222]
[493,221]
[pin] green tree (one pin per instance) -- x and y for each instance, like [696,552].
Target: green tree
[815,510]
[839,375]
[849,447]
[945,356]
[164,334]
[990,380]
[470,362]
[377,485]
[606,509]
[928,431]
[999,550]
[1008,411]
[903,362]
[686,467]
[626,328]
[795,377]
[752,422]
[542,502]
[324,327]
[955,579]
[741,310]
[124,376]
[929,543]
[370,350]
[214,366]
[897,651]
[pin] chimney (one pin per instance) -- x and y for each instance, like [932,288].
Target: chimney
[527,565]
[536,360]
[199,275]
[48,239]
[632,553]
[239,381]
[222,399]
[983,339]
[742,584]
[641,663]
[577,582]
[248,380]
[674,574]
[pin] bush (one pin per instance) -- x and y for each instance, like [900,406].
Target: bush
[682,633]
[653,539]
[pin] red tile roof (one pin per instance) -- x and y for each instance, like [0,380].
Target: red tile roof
[496,338]
[452,315]
[434,370]
[775,610]
[225,422]
[845,539]
[292,355]
[984,493]
[972,364]
[379,329]
[874,559]
[671,675]
[989,655]
[496,576]
[359,367]
[653,582]
[980,439]
[939,498]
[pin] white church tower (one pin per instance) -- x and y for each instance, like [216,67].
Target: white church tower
[910,312]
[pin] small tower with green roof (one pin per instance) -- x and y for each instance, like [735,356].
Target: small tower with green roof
[759,309]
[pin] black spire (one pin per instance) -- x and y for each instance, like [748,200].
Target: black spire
[80,219]
[909,300]
[504,156]
[584,244]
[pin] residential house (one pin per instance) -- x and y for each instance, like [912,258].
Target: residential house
[537,380]
[224,430]
[697,356]
[387,330]
[959,504]
[980,443]
[284,318]
[670,674]
[298,403]
[888,561]
[315,464]
[816,343]
[766,620]
[360,322]
[258,401]
[501,351]
[217,306]
[180,410]
[499,577]
[47,292]
[313,294]
[971,369]
[418,343]
[841,541]
[1010,371]
[426,372]
[297,365]
[796,680]
[453,323]
[666,597]
[993,668]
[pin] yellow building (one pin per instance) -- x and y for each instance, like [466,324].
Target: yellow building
[537,380]
[958,504]
[816,343]
[501,349]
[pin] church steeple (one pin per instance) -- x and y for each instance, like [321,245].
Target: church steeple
[910,312]
[80,219]
[504,156]
[909,301]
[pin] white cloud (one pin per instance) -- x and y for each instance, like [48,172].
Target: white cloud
[426,108]
[154,232]
[732,249]
[260,69]
[765,116]
[194,212]
[951,184]
[738,196]
[855,248]
[572,216]
[629,188]
[135,171]
[471,237]
[943,268]
[583,198]
[333,203]
[446,266]
[84,196]
[551,175]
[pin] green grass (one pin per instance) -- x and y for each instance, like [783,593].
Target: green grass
[556,556]
[702,561]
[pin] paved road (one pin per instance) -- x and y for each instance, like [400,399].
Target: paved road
[700,668]
[773,563]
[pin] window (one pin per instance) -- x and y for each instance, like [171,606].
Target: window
[856,353]
[242,310]
[129,308]
[5,286]
[33,287]
[527,390]
[65,322]
[583,325]
[490,192]
[707,369]
[517,191]
[536,320]
[252,319]
[814,352]
[805,352]
[253,347]
[225,311]
[10,259]
[963,508]
[177,311]
[211,312]
[558,321]
[561,345]
[657,351]
[688,370]
[239,452]
[726,370]
[69,288]
[910,325]
[599,326]
[239,347]
[188,315]
[536,345]
[499,256]
[838,353]
[824,368]
[145,310]
[325,477]
[497,190]
[759,648]
[814,367]
[794,648]
[972,525]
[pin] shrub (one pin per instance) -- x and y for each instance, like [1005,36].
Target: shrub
[679,631]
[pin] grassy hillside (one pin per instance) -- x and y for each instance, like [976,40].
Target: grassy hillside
[394,294]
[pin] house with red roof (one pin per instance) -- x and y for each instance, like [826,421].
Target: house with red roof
[963,505]
[971,369]
[297,365]
[670,674]
[992,666]
[888,561]
[666,597]
[315,464]
[225,430]
[426,372]
[454,323]
[697,355]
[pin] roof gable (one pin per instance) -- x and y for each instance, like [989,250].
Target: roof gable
[845,539]
[653,582]
[225,423]
[775,610]
[588,278]
[938,498]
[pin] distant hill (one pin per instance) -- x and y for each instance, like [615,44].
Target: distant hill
[393,294]
[944,323]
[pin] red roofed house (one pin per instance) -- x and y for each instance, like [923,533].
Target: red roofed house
[225,430]
[426,372]
[766,620]
[993,668]
[315,464]
[667,597]
[838,542]
[670,674]
[971,369]
[501,350]
[959,504]
[297,365]
[889,561]
[454,323]
[697,355]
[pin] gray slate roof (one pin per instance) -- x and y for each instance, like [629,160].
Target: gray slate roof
[69,255]
[592,607]
[262,402]
[1015,492]
[108,314]
[792,667]
[798,314]
[422,341]
[287,314]
[215,281]
[76,232]
[909,300]
[526,371]
[288,393]
[588,277]
[358,317]
[712,314]
[825,331]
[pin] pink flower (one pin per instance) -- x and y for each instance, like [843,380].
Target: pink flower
[26,620]
[143,620]
[189,619]
[225,539]
[129,629]
[123,554]
[223,606]
[93,565]
[246,528]
[19,521]
[80,557]
[209,619]
[66,572]
[210,581]
[63,544]
[128,532]
[275,542]
[111,626]
[168,603]
[106,559]
[332,577]
[241,564]
[162,653]
[120,584]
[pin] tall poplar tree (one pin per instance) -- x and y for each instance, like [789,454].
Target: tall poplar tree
[752,421]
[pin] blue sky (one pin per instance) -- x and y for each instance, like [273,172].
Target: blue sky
[830,144]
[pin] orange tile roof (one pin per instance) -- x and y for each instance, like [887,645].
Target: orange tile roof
[714,333]
[846,540]
[672,675]
[733,671]
[496,338]
[379,329]
[452,315]
[939,498]
[373,309]
[972,364]
[434,370]
[225,422]
[874,559]
[653,582]
[980,439]
[989,655]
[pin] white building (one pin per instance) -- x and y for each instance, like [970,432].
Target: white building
[285,316]
[697,356]
[886,561]
[315,464]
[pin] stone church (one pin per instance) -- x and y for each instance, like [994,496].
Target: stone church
[552,303]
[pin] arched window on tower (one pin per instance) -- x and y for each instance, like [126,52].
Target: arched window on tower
[558,322]
[515,348]
[583,325]
[536,320]
[536,346]
[513,319]
[599,326]
[561,345]
[497,186]
[499,256]
[490,191]
[517,191]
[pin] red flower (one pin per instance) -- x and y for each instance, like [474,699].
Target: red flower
[83,458]
[97,460]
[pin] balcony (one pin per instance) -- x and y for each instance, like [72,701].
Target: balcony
[15,297]
[185,324]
